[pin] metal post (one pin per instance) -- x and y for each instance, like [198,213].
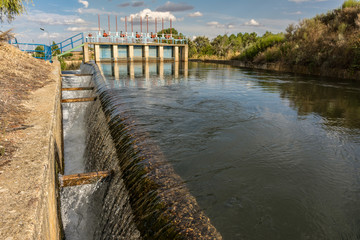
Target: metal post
[116,24]
[170,27]
[125,24]
[140,24]
[162,31]
[99,23]
[147,25]
[132,25]
[109,22]
[156,26]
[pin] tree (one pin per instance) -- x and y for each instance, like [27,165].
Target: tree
[222,44]
[39,52]
[55,49]
[174,33]
[11,8]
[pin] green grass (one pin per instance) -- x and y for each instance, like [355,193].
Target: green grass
[351,3]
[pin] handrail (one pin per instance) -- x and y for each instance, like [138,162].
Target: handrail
[145,38]
[68,42]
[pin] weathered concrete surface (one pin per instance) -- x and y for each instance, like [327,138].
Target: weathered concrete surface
[28,185]
[316,71]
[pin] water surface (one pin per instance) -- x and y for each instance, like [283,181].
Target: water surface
[267,155]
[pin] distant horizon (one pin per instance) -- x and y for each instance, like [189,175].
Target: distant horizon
[201,18]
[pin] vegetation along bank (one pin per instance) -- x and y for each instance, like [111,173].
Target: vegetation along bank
[326,45]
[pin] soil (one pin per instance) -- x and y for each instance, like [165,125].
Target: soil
[27,93]
[20,74]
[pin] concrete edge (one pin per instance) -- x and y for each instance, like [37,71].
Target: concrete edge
[49,214]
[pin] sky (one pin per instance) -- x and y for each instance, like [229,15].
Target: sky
[62,19]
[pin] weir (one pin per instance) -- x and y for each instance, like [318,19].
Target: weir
[142,196]
[116,52]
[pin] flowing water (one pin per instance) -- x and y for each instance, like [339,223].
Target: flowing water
[266,155]
[80,205]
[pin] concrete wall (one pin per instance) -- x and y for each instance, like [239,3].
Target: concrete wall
[49,218]
[140,52]
[29,184]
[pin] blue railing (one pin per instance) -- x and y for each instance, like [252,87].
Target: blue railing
[69,43]
[40,51]
[46,52]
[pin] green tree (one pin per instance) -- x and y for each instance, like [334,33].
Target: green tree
[174,33]
[11,8]
[192,48]
[55,49]
[203,46]
[223,44]
[39,52]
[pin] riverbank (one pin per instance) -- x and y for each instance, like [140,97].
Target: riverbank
[279,67]
[30,145]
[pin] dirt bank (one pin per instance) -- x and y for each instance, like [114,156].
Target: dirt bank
[279,67]
[28,89]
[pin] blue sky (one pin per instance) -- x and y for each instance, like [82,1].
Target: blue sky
[210,18]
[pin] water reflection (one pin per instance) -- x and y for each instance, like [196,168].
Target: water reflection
[132,70]
[337,101]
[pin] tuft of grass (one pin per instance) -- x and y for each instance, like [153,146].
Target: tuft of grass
[350,4]
[6,36]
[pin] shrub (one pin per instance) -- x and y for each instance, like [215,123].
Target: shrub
[350,3]
[261,45]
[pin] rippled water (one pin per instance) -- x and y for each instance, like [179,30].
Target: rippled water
[267,155]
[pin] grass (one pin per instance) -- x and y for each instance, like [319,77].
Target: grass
[351,3]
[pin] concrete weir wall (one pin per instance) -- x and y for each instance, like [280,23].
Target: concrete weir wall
[138,52]
[28,185]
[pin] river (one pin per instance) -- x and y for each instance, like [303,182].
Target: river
[266,155]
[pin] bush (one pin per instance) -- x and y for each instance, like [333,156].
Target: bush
[350,3]
[62,63]
[261,45]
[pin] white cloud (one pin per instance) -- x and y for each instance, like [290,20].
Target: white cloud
[54,19]
[81,29]
[253,23]
[195,14]
[94,11]
[215,24]
[85,3]
[293,13]
[51,35]
[152,15]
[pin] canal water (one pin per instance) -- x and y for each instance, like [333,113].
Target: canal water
[266,155]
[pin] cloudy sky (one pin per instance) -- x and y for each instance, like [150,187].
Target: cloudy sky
[65,18]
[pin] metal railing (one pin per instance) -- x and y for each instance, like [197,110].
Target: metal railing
[43,51]
[40,51]
[144,38]
[69,43]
